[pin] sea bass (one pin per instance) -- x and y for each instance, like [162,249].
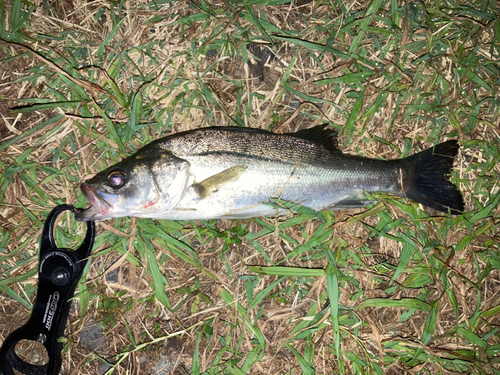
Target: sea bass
[226,172]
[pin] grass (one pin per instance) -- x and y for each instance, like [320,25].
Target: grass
[391,289]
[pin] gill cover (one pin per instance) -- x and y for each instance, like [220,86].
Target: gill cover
[170,176]
[148,182]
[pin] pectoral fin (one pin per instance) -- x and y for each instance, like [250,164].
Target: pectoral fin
[214,183]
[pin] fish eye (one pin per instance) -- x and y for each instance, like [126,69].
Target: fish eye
[117,179]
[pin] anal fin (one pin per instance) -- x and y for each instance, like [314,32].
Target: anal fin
[356,199]
[352,203]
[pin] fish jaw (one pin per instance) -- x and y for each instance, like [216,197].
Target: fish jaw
[101,208]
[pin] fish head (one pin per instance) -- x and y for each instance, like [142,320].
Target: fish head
[145,184]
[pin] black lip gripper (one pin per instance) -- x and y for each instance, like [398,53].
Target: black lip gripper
[58,273]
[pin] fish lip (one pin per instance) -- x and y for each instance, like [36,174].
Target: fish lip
[99,206]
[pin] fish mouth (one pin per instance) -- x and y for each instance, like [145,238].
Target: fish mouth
[100,207]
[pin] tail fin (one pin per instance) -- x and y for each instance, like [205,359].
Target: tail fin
[429,184]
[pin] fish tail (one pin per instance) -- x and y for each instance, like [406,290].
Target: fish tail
[428,182]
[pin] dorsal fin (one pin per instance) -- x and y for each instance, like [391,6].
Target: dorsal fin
[321,134]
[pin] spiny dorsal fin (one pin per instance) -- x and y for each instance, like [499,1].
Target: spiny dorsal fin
[212,184]
[321,134]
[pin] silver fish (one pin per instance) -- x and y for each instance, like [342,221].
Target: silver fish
[226,172]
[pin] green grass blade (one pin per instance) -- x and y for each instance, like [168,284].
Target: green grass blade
[430,325]
[257,300]
[409,303]
[332,288]
[111,128]
[306,368]
[473,338]
[159,280]
[102,48]
[287,271]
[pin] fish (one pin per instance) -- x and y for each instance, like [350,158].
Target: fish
[232,173]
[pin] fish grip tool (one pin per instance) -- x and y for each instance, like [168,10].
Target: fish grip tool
[58,273]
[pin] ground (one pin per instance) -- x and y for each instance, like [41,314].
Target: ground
[394,288]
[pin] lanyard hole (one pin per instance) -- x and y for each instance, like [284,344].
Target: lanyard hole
[32,352]
[69,233]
